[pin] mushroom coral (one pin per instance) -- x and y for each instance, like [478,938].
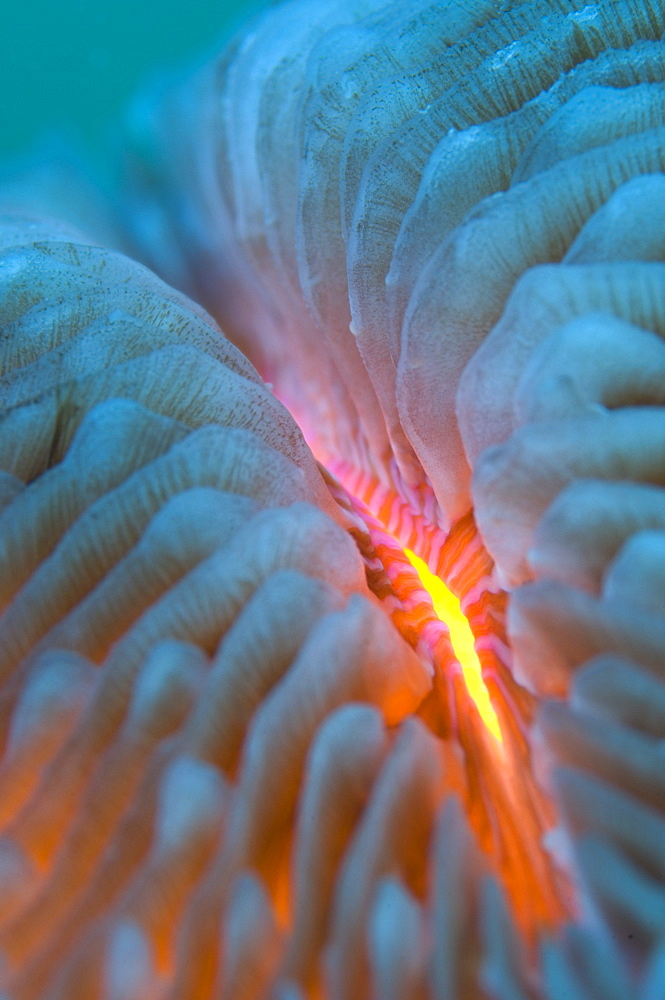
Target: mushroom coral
[239,757]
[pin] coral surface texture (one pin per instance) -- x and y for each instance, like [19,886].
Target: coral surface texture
[382,291]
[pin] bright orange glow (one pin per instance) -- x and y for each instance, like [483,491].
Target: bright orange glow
[449,611]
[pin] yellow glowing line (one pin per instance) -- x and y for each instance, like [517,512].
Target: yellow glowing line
[449,611]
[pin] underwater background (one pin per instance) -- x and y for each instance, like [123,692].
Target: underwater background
[73,67]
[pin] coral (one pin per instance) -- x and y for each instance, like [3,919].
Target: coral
[239,755]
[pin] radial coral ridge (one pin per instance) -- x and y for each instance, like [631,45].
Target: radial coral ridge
[239,757]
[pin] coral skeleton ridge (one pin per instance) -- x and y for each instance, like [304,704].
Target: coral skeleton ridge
[405,349]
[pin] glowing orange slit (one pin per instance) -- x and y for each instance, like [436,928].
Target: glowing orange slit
[448,610]
[427,610]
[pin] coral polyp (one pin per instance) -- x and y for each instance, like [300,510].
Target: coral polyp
[244,752]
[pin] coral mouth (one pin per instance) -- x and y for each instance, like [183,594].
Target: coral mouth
[476,707]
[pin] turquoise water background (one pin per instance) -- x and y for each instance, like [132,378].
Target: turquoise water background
[74,65]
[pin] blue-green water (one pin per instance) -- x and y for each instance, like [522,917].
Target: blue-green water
[74,65]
